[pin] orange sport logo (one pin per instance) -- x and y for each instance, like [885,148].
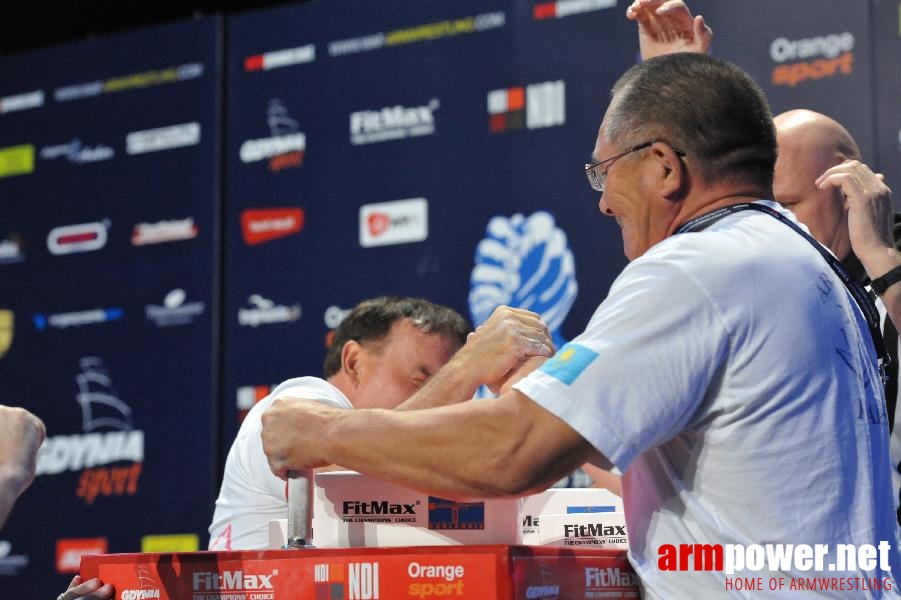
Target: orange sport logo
[811,59]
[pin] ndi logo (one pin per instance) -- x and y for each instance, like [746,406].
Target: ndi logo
[533,106]
[363,581]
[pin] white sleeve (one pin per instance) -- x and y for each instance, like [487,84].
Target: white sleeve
[638,374]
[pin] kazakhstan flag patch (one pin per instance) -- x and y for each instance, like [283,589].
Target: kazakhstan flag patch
[569,362]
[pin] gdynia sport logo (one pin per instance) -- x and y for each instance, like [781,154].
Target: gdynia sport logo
[760,567]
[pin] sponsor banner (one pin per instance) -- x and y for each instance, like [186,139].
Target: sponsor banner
[264,311]
[11,249]
[332,318]
[70,551]
[7,327]
[602,530]
[109,454]
[163,231]
[23,101]
[455,514]
[77,319]
[162,138]
[534,106]
[280,58]
[334,315]
[294,577]
[477,573]
[259,225]
[16,160]
[84,237]
[76,152]
[566,8]
[284,148]
[809,59]
[131,81]
[418,33]
[10,562]
[581,575]
[174,310]
[248,395]
[395,222]
[392,123]
[173,542]
[563,501]
[354,510]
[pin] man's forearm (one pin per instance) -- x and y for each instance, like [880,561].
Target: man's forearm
[877,264]
[11,487]
[451,385]
[494,447]
[498,447]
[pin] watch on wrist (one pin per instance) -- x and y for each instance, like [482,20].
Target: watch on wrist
[883,282]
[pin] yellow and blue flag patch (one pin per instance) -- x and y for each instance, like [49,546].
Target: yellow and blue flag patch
[569,362]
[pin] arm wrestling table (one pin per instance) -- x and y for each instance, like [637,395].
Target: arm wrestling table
[489,572]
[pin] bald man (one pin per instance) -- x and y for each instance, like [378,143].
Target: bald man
[820,177]
[810,145]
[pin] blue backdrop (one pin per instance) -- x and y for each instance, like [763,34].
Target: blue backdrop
[109,229]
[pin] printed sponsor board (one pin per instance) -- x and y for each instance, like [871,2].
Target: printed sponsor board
[475,572]
[395,222]
[70,551]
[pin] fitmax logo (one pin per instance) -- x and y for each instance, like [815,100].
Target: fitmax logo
[232,580]
[593,530]
[375,507]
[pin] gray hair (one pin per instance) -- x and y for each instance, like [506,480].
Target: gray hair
[706,107]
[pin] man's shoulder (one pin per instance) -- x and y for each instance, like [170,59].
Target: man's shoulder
[310,388]
[305,388]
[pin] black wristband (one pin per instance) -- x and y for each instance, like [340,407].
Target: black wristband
[882,283]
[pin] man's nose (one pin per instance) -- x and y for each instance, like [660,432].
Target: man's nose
[603,207]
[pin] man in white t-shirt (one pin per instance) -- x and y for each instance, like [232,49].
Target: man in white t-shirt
[819,176]
[383,351]
[729,374]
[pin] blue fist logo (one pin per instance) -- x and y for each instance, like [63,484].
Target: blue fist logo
[524,262]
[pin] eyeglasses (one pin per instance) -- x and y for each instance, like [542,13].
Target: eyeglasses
[596,178]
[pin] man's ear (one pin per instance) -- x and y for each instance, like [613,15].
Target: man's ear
[351,357]
[672,174]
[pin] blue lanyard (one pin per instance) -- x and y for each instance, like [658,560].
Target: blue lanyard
[858,292]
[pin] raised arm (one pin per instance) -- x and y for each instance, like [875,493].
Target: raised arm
[870,220]
[667,27]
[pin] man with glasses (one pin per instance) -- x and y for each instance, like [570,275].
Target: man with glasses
[819,176]
[735,387]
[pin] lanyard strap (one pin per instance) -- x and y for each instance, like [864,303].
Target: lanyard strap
[857,290]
